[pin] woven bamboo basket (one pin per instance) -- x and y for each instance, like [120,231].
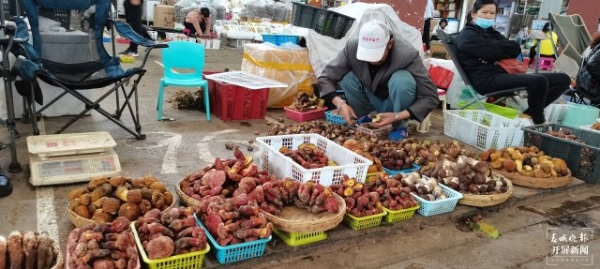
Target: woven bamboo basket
[296,220]
[185,199]
[80,221]
[59,264]
[487,200]
[535,182]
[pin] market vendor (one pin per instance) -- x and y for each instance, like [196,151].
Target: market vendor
[380,72]
[198,22]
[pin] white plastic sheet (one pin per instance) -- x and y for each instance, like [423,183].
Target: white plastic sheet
[323,48]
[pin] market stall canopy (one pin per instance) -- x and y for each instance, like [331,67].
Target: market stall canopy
[322,49]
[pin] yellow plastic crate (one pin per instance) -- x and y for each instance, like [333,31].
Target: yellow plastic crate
[400,215]
[127,59]
[192,260]
[364,222]
[300,239]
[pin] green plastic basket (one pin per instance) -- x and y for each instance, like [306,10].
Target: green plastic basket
[400,215]
[192,260]
[506,112]
[300,239]
[363,222]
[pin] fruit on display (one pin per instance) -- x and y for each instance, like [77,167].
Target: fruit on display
[424,187]
[104,199]
[170,233]
[221,178]
[402,155]
[564,134]
[308,156]
[467,175]
[360,200]
[27,250]
[394,195]
[596,126]
[304,102]
[334,132]
[103,245]
[526,161]
[310,196]
[234,220]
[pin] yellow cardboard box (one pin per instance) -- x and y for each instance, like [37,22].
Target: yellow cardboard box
[164,16]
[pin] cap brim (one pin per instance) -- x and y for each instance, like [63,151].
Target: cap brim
[370,55]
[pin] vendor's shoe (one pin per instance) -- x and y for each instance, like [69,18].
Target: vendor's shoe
[5,185]
[399,133]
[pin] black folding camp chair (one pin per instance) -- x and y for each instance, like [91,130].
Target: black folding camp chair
[74,78]
[449,41]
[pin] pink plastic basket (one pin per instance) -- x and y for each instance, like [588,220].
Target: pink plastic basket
[379,132]
[304,116]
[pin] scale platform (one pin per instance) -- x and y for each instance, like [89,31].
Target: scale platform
[70,158]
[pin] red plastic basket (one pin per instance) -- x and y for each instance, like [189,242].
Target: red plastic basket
[304,116]
[442,77]
[234,102]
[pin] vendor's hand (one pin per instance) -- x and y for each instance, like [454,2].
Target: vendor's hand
[347,113]
[386,118]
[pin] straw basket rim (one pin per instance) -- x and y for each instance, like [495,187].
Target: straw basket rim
[537,183]
[488,200]
[304,226]
[79,221]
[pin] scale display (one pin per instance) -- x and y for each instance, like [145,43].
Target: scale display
[71,169]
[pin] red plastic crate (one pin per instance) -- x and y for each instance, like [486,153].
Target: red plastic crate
[304,116]
[442,77]
[211,88]
[234,102]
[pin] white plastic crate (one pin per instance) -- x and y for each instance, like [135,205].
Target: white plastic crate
[238,43]
[276,163]
[210,44]
[483,129]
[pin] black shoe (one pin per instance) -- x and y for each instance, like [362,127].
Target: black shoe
[5,186]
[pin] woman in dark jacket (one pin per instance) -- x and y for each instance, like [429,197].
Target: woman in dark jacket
[588,78]
[480,47]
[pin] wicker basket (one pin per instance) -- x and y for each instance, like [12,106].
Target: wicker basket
[80,221]
[185,199]
[537,183]
[295,220]
[59,257]
[487,200]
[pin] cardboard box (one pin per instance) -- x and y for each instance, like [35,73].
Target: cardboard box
[164,16]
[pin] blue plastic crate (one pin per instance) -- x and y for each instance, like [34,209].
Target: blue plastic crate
[405,171]
[280,39]
[334,118]
[430,208]
[237,252]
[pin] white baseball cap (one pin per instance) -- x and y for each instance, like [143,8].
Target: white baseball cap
[373,38]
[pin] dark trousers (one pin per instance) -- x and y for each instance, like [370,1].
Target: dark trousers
[133,17]
[190,26]
[543,89]
[533,54]
[426,31]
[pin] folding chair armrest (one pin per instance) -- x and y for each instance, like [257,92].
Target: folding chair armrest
[504,92]
[126,31]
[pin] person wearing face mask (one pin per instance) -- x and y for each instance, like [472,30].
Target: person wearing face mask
[480,47]
[379,72]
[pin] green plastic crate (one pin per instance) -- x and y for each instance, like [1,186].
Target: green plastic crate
[400,215]
[364,222]
[300,239]
[506,112]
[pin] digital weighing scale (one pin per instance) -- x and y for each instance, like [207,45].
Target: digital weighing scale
[71,158]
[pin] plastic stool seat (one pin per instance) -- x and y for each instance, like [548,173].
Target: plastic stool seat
[546,63]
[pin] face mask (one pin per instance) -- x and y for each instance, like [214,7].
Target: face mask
[484,23]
